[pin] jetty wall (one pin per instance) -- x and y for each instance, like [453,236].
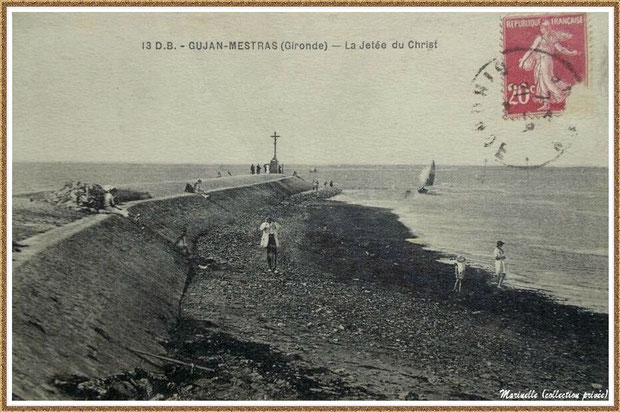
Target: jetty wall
[82,304]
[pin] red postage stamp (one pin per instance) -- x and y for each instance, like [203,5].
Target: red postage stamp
[544,57]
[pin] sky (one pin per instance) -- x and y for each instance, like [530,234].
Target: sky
[85,89]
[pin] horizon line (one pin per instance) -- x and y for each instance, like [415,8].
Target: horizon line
[289,164]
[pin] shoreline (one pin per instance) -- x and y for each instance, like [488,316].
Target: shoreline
[515,280]
[402,310]
[360,313]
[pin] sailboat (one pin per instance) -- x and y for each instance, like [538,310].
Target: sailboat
[427,177]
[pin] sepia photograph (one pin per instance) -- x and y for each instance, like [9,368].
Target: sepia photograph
[318,206]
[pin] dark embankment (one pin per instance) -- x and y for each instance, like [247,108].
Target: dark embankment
[81,305]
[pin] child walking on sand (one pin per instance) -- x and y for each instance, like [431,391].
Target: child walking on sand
[269,240]
[459,271]
[500,263]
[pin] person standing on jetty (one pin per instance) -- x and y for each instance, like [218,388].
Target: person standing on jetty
[252,170]
[257,168]
[500,263]
[459,271]
[269,240]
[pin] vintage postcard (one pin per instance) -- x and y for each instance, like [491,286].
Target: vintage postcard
[280,206]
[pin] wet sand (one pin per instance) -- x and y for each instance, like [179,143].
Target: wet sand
[357,312]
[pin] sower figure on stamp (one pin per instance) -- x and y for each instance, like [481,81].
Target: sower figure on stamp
[500,263]
[269,240]
[549,89]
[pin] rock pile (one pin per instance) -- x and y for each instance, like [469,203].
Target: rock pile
[78,196]
[137,384]
[89,196]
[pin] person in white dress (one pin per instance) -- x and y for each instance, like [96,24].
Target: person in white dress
[459,271]
[500,263]
[269,240]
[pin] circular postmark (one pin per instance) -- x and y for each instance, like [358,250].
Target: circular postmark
[522,96]
[531,138]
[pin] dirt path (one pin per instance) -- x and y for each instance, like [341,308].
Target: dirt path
[38,224]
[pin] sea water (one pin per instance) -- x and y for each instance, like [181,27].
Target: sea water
[554,221]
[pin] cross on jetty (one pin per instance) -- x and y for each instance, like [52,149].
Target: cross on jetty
[274,167]
[275,142]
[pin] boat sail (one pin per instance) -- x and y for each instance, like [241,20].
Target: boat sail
[427,177]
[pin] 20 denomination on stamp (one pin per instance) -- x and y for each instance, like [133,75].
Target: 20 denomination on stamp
[544,57]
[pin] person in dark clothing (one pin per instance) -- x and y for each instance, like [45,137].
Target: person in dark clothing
[257,168]
[181,243]
[252,170]
[265,166]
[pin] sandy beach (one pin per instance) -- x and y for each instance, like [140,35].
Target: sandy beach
[357,312]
